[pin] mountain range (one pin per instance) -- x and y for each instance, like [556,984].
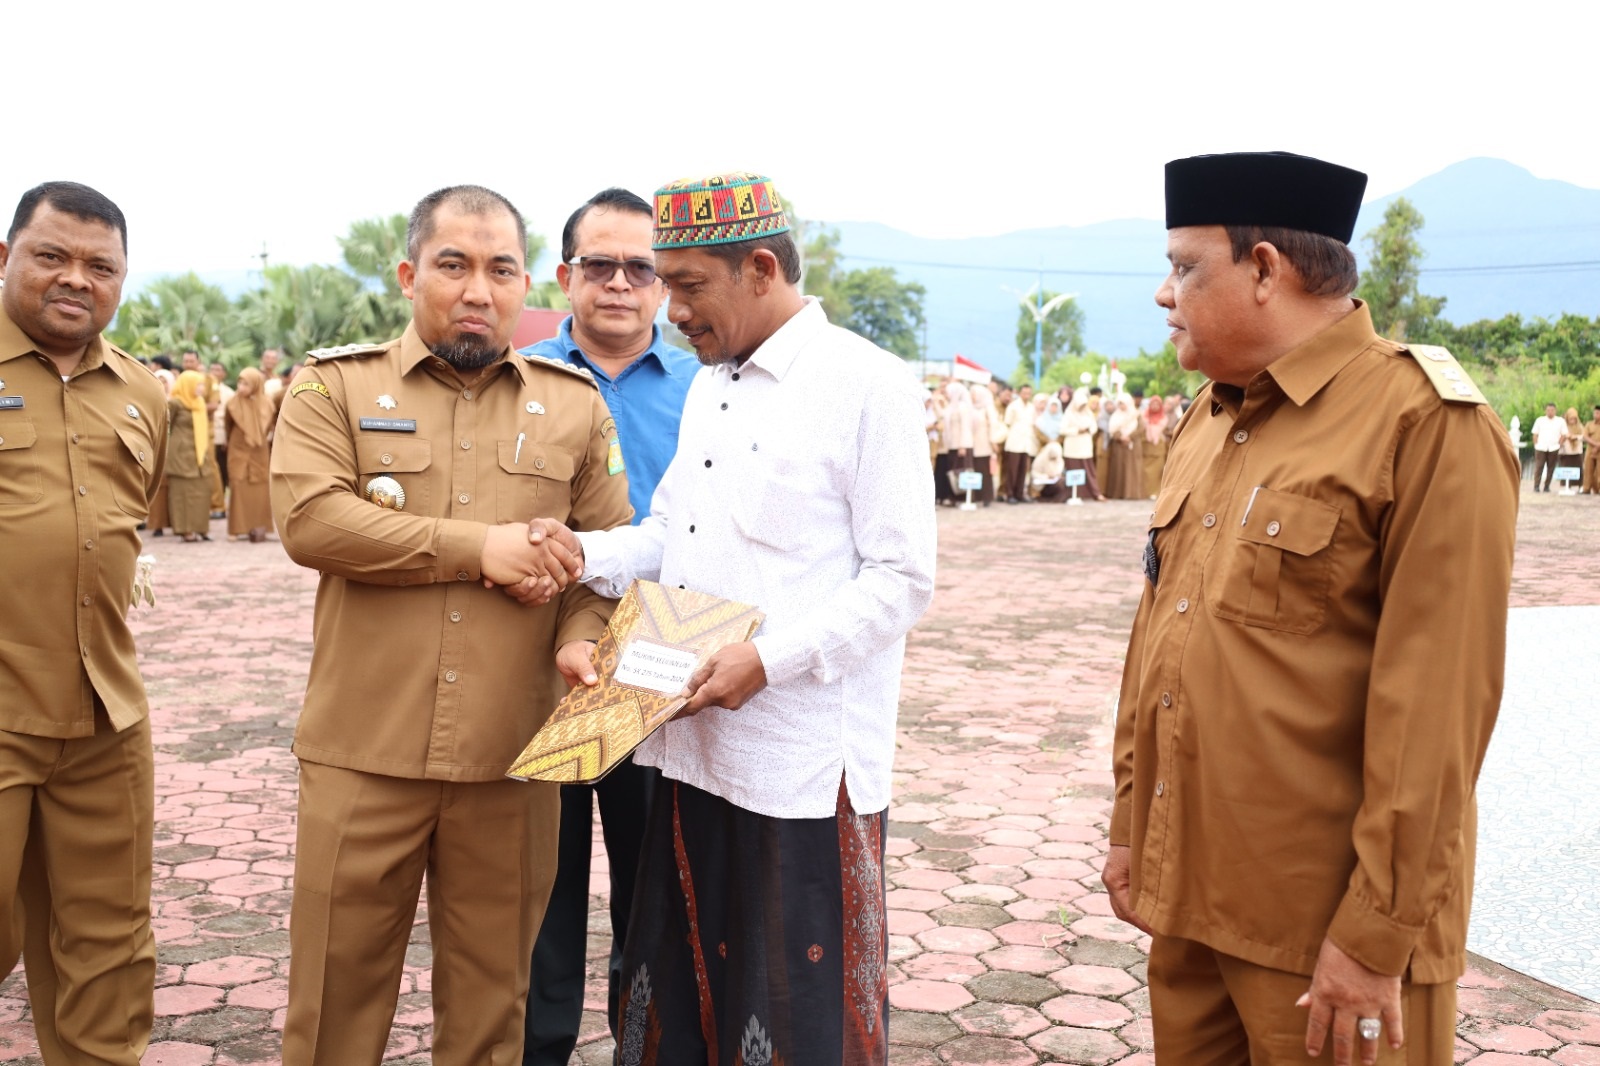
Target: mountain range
[1497,240]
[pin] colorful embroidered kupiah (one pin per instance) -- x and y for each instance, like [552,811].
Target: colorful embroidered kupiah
[718,210]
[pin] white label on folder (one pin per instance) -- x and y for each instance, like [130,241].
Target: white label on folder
[656,667]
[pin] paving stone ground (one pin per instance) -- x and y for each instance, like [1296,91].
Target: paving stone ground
[1003,949]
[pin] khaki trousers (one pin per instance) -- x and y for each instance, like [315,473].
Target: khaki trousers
[75,839]
[363,846]
[1211,1009]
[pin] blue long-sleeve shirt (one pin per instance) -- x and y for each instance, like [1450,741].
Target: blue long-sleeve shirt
[646,399]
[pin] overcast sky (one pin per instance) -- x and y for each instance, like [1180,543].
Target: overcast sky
[218,127]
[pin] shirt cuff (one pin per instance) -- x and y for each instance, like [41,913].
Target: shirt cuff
[599,563]
[781,663]
[460,549]
[1372,938]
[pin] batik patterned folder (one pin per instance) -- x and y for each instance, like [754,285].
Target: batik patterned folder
[656,639]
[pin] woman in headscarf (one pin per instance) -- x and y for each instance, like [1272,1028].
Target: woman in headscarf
[985,419]
[1154,445]
[1124,474]
[1048,424]
[958,432]
[248,421]
[1571,449]
[1047,472]
[1078,427]
[190,459]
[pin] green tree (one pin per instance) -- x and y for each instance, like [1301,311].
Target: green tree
[872,302]
[1063,330]
[1389,285]
[298,309]
[372,249]
[179,314]
[884,309]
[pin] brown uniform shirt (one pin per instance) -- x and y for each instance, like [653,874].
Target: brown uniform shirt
[1317,662]
[418,670]
[79,462]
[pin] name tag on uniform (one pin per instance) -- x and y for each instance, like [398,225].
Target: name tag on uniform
[7,402]
[390,425]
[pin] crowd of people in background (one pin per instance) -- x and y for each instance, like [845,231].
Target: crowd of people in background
[219,441]
[1023,445]
[1563,443]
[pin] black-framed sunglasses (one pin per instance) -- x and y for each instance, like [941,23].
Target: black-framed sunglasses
[599,269]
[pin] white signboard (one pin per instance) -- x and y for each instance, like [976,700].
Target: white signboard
[1075,477]
[969,481]
[656,667]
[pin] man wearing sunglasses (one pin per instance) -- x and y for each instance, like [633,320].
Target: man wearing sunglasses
[608,273]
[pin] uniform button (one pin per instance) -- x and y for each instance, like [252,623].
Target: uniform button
[1161,788]
[88,545]
[691,529]
[466,445]
[450,676]
[736,376]
[455,616]
[1272,529]
[466,394]
[386,459]
[1209,520]
[83,490]
[1183,606]
[462,575]
[1240,437]
[538,464]
[2,440]
[87,601]
[724,407]
[464,498]
[1166,699]
[753,447]
[708,464]
[141,457]
[74,438]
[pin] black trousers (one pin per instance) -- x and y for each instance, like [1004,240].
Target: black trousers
[1544,463]
[1018,465]
[555,994]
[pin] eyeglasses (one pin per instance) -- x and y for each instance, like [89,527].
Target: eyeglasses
[599,269]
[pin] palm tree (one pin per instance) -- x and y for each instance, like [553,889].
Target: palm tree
[178,314]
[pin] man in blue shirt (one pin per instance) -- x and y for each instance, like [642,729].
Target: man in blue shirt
[607,271]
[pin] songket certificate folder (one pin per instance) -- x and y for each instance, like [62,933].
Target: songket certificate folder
[656,639]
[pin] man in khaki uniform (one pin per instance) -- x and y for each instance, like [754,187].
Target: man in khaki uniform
[407,473]
[1318,657]
[83,433]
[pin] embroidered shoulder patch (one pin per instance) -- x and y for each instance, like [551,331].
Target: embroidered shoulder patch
[310,386]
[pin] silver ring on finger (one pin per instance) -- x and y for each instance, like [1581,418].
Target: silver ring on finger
[1369,1028]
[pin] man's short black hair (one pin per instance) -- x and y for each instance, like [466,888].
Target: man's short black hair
[77,200]
[781,245]
[613,199]
[164,361]
[1097,391]
[1327,267]
[470,199]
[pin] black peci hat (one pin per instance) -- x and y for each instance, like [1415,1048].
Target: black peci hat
[1265,189]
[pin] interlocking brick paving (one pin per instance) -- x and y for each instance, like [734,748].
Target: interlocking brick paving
[1002,946]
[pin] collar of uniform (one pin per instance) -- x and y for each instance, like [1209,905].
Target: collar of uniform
[14,343]
[413,352]
[1303,371]
[656,351]
[777,353]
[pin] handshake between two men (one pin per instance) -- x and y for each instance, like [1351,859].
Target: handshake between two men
[533,563]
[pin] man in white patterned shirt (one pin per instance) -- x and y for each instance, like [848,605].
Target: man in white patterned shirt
[800,485]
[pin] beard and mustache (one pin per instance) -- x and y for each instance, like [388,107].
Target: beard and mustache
[468,351]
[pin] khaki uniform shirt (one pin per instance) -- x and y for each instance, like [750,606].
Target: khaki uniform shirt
[418,670]
[79,463]
[1317,661]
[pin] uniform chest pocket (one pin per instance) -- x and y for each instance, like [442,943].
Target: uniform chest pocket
[132,471]
[1275,573]
[534,481]
[405,459]
[20,481]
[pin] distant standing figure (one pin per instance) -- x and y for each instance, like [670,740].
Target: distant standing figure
[1591,458]
[1156,428]
[248,417]
[1124,474]
[1547,430]
[189,459]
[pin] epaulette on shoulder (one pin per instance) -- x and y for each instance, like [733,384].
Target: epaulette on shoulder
[343,351]
[562,365]
[1444,373]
